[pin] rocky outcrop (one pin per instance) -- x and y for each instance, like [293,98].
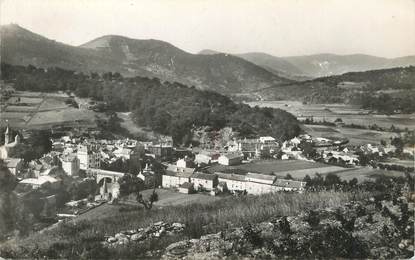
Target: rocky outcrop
[156,230]
[356,230]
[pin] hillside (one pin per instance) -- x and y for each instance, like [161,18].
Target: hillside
[387,90]
[150,58]
[320,65]
[167,108]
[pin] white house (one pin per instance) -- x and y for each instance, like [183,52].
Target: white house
[174,180]
[234,182]
[267,139]
[230,159]
[88,158]
[70,164]
[122,153]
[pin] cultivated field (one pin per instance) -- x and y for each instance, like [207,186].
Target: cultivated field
[274,166]
[39,110]
[348,113]
[355,136]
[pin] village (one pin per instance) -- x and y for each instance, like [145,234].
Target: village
[91,170]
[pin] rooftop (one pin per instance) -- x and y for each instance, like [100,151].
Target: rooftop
[204,176]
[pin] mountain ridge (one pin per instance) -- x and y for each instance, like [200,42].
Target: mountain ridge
[133,57]
[322,64]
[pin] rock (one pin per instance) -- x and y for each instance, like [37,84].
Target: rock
[112,239]
[178,249]
[178,225]
[138,237]
[120,236]
[160,223]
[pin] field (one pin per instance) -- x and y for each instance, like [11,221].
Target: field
[298,169]
[275,166]
[355,136]
[348,113]
[174,198]
[38,110]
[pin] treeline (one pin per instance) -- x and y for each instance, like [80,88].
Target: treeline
[168,108]
[385,91]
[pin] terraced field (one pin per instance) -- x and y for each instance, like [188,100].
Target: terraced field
[348,113]
[38,110]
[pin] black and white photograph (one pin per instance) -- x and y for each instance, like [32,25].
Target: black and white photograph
[207,129]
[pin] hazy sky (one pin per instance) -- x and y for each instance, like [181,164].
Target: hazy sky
[279,27]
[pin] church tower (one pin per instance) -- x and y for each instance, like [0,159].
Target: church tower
[7,136]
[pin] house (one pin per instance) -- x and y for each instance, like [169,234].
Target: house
[250,147]
[161,150]
[175,176]
[230,159]
[267,139]
[70,164]
[174,180]
[289,185]
[185,163]
[203,158]
[204,181]
[89,157]
[234,182]
[186,188]
[122,153]
[15,165]
[42,182]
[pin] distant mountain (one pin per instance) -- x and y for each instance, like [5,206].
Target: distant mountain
[275,65]
[320,65]
[131,57]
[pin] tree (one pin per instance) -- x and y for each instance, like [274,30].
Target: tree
[331,180]
[289,177]
[7,200]
[398,143]
[308,149]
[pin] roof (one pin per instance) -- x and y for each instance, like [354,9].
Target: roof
[260,176]
[204,176]
[173,170]
[231,156]
[187,185]
[39,181]
[230,176]
[289,183]
[105,172]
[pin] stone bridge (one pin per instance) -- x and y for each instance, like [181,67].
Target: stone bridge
[108,182]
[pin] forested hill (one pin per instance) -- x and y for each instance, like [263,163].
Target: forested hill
[168,108]
[387,90]
[223,73]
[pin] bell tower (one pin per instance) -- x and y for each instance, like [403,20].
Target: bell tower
[7,135]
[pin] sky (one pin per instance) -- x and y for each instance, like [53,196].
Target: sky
[279,27]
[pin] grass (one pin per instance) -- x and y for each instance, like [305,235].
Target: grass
[270,166]
[82,237]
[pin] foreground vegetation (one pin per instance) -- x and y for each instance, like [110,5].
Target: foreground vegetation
[83,238]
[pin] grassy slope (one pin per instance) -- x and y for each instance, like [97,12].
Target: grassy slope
[82,238]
